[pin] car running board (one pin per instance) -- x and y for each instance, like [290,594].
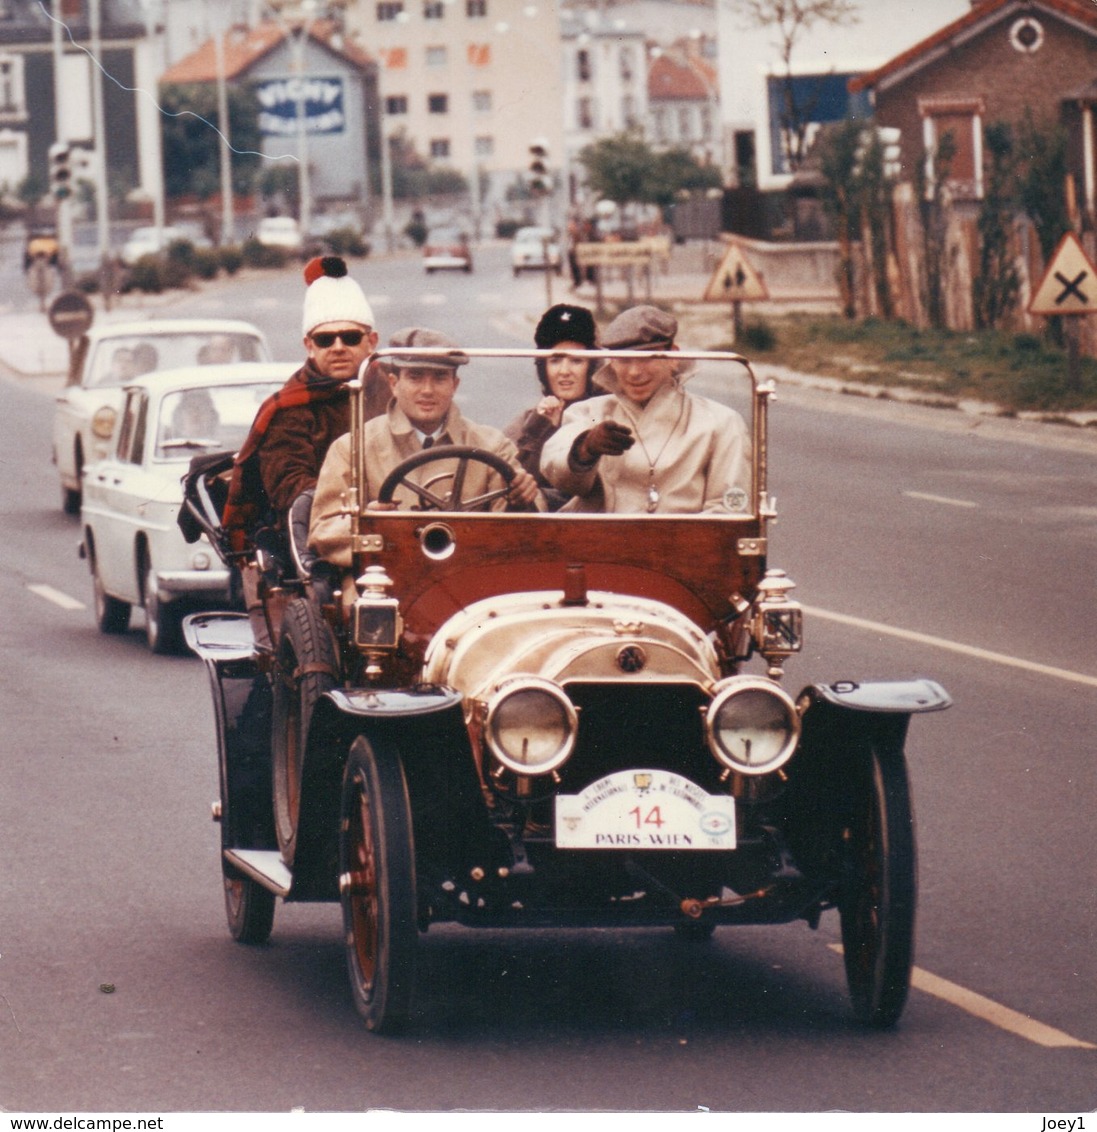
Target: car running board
[264,866]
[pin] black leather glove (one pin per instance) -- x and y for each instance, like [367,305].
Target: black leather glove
[607,438]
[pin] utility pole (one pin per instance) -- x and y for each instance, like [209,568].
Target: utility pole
[228,223]
[102,203]
[64,207]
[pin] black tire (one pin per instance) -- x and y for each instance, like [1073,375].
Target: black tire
[377,886]
[111,615]
[305,669]
[70,500]
[879,888]
[249,910]
[695,931]
[163,624]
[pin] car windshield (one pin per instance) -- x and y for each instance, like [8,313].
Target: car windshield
[118,360]
[501,388]
[209,417]
[445,236]
[533,235]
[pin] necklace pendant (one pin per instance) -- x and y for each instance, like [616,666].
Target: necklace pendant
[653,498]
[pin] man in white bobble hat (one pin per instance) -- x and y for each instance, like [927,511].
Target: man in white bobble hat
[293,430]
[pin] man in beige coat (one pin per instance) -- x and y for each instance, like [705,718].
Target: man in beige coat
[420,415]
[649,446]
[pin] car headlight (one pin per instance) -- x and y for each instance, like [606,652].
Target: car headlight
[531,725]
[102,423]
[752,725]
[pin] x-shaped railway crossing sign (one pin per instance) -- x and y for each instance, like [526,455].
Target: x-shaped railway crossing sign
[1068,284]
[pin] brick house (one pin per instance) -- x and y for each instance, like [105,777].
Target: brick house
[999,61]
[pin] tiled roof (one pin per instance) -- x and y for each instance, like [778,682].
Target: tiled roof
[244,47]
[1081,11]
[683,78]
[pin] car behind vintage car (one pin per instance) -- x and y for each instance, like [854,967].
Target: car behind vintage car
[446,249]
[110,355]
[131,538]
[507,719]
[535,249]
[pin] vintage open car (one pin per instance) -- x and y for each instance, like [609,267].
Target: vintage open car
[509,719]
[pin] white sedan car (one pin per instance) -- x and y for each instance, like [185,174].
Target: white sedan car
[111,355]
[151,240]
[129,519]
[534,249]
[280,232]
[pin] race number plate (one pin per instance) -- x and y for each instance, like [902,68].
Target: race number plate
[645,809]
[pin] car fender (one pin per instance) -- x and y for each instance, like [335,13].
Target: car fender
[880,696]
[426,724]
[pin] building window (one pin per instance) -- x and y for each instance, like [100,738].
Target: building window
[584,113]
[389,10]
[12,99]
[484,146]
[626,64]
[583,68]
[396,104]
[479,54]
[659,115]
[436,56]
[684,123]
[481,101]
[438,103]
[961,120]
[628,111]
[439,147]
[433,9]
[476,9]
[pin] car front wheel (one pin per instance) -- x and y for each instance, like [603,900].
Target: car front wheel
[111,615]
[878,892]
[377,885]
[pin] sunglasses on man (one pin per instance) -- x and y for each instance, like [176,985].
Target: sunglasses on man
[326,339]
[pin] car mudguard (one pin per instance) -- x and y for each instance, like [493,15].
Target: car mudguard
[426,725]
[888,696]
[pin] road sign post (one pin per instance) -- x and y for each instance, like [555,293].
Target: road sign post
[1069,287]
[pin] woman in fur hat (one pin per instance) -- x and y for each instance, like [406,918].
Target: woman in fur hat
[564,381]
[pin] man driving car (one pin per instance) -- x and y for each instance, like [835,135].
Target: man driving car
[420,415]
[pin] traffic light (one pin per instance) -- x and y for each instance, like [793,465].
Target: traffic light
[540,180]
[60,170]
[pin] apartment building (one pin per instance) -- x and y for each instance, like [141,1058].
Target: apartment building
[469,83]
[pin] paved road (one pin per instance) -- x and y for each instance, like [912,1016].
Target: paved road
[968,558]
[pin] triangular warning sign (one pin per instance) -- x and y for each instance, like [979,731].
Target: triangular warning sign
[734,280]
[1069,285]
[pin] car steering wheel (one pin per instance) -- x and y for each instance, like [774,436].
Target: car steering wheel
[464,456]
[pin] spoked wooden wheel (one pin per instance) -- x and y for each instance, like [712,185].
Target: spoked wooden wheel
[377,885]
[879,889]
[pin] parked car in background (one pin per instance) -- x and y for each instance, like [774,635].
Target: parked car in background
[109,357]
[447,249]
[535,249]
[280,232]
[129,517]
[151,240]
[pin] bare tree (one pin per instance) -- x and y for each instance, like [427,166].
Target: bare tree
[792,20]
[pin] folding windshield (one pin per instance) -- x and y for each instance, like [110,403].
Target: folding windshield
[696,426]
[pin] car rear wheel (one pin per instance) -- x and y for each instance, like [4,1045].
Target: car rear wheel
[70,500]
[111,615]
[305,669]
[163,625]
[878,896]
[377,885]
[249,909]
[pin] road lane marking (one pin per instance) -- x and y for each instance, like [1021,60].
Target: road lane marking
[953,646]
[939,499]
[57,597]
[990,1011]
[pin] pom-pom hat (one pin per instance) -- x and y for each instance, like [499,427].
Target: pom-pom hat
[332,296]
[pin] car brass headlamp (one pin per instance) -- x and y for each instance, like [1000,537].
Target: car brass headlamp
[531,725]
[376,619]
[777,626]
[102,422]
[752,725]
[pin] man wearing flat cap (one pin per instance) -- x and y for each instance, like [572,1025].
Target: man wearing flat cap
[420,415]
[648,446]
